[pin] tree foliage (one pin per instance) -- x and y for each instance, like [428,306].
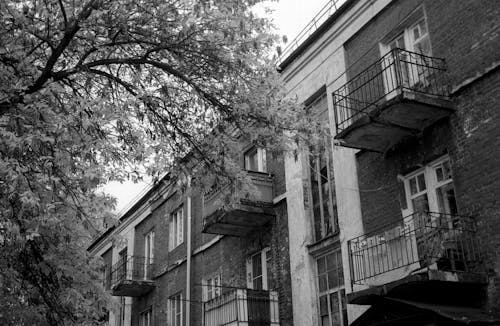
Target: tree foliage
[91,90]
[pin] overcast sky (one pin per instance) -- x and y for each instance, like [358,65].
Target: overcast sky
[290,17]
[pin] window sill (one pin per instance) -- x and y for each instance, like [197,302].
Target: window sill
[324,245]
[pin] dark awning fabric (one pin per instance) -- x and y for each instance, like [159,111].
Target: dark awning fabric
[465,315]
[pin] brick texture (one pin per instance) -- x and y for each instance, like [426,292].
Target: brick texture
[467,35]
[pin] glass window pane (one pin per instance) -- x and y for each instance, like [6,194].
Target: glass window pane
[251,160]
[413,186]
[325,321]
[323,286]
[334,302]
[257,265]
[439,174]
[323,305]
[321,265]
[331,261]
[421,182]
[447,170]
[257,283]
[333,279]
[446,199]
[420,203]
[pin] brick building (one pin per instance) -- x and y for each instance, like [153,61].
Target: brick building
[408,189]
[178,257]
[391,219]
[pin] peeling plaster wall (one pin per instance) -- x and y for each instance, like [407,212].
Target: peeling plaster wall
[323,64]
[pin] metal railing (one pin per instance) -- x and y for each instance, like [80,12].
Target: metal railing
[396,71]
[422,239]
[260,191]
[251,307]
[132,268]
[325,12]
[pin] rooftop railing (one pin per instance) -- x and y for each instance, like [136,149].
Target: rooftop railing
[396,71]
[326,11]
[422,239]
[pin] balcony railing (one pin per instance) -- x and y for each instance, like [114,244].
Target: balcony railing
[243,307]
[132,276]
[250,211]
[397,71]
[420,240]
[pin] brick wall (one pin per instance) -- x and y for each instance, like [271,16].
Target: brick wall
[467,35]
[226,257]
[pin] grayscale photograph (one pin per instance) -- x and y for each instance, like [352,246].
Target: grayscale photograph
[249,162]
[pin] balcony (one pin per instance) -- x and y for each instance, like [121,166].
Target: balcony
[243,307]
[132,276]
[244,216]
[396,97]
[443,247]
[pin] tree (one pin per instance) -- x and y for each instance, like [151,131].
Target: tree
[90,91]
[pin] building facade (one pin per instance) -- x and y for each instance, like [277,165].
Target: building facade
[179,257]
[410,90]
[391,218]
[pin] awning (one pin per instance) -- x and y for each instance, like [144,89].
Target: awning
[391,311]
[464,315]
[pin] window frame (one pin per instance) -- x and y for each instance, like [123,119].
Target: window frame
[175,301]
[338,290]
[212,287]
[261,159]
[176,228]
[431,185]
[410,44]
[317,106]
[149,246]
[264,270]
[148,312]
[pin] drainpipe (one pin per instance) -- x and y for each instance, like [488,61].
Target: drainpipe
[189,252]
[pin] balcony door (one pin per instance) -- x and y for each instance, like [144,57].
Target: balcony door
[148,254]
[122,266]
[258,282]
[409,68]
[430,189]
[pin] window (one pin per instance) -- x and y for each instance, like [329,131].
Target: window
[324,204]
[412,69]
[149,239]
[332,299]
[146,317]
[176,310]
[255,159]
[176,228]
[258,270]
[122,266]
[212,288]
[106,277]
[430,189]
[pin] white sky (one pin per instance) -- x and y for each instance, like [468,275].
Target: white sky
[290,17]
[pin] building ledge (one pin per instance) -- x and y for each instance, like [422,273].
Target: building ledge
[435,285]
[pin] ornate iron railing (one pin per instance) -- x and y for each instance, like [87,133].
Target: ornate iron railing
[421,239]
[251,307]
[132,268]
[396,71]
